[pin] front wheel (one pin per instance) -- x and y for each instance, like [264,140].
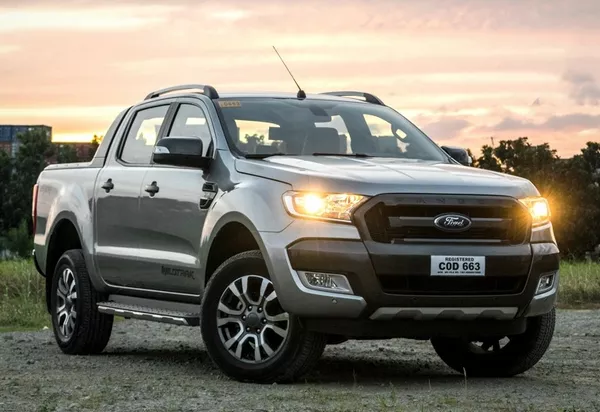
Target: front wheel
[501,356]
[246,331]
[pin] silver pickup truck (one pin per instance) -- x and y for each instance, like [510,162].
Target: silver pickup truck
[280,223]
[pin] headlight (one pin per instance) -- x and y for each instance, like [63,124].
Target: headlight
[539,209]
[327,206]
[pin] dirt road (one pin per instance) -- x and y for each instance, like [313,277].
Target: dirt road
[155,367]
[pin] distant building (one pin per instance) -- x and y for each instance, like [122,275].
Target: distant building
[6,147]
[9,141]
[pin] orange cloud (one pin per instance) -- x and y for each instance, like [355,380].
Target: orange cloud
[459,68]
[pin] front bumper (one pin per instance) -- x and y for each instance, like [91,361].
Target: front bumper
[334,248]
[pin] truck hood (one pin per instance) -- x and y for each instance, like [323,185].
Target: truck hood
[373,176]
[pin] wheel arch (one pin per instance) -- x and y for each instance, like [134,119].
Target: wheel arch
[234,233]
[63,236]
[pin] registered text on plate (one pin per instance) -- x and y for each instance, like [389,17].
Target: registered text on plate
[458,266]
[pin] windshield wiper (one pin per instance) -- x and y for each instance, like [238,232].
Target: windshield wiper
[263,155]
[342,154]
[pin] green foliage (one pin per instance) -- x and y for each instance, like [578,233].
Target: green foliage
[579,284]
[22,296]
[66,154]
[19,241]
[30,160]
[487,159]
[96,140]
[6,167]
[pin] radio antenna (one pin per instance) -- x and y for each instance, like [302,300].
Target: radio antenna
[301,94]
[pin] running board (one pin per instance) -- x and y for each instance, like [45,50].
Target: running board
[152,314]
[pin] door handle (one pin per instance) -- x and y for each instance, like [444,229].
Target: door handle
[108,185]
[152,189]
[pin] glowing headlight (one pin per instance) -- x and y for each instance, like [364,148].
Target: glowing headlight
[539,209]
[327,206]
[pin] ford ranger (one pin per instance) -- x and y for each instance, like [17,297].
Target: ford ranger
[280,223]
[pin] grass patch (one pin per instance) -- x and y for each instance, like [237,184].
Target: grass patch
[22,292]
[579,285]
[21,315]
[22,296]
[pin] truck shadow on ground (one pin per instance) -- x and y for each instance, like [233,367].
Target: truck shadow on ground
[339,369]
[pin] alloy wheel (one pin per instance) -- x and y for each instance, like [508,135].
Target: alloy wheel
[66,303]
[250,321]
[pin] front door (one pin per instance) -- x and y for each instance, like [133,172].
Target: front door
[118,225]
[172,208]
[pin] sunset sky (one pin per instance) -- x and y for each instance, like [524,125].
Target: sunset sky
[463,70]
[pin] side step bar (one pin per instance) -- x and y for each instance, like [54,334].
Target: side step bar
[149,313]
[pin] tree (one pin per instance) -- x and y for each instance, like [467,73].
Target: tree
[29,162]
[19,240]
[96,140]
[591,157]
[6,167]
[487,160]
[67,154]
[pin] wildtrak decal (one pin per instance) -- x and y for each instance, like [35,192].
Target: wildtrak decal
[184,273]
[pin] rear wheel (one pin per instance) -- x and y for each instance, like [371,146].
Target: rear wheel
[246,331]
[500,356]
[79,328]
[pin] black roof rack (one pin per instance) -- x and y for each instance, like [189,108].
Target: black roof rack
[209,91]
[371,98]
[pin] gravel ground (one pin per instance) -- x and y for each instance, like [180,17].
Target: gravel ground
[157,367]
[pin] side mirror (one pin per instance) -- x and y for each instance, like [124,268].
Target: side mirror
[180,151]
[459,154]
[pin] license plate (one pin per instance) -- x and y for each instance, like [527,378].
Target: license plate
[458,266]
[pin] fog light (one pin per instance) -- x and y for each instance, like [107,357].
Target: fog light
[546,283]
[326,281]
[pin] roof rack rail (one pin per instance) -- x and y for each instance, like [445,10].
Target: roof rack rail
[371,98]
[209,91]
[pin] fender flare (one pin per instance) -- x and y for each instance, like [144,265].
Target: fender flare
[69,216]
[231,217]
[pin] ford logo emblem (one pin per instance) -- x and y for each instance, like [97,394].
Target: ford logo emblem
[452,222]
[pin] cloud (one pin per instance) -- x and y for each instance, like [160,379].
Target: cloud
[445,129]
[231,15]
[5,49]
[583,88]
[570,121]
[512,123]
[82,19]
[574,121]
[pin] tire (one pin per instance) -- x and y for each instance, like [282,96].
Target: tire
[90,332]
[291,356]
[519,355]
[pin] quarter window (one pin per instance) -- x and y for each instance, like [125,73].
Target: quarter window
[142,135]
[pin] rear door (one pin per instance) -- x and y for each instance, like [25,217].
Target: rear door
[118,226]
[174,215]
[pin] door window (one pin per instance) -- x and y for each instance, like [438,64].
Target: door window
[190,121]
[142,135]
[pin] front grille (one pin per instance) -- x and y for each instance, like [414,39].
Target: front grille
[409,218]
[438,285]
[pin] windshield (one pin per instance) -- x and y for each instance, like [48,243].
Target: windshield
[263,126]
